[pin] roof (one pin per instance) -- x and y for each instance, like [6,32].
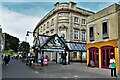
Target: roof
[69,46]
[75,46]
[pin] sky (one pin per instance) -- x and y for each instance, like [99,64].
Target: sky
[19,16]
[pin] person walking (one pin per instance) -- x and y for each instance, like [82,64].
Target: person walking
[42,61]
[113,66]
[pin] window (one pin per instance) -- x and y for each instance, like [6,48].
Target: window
[44,27]
[52,22]
[75,55]
[76,20]
[47,24]
[76,34]
[91,33]
[52,30]
[83,35]
[105,29]
[63,34]
[83,21]
[41,29]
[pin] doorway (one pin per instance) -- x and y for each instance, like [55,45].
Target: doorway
[93,55]
[106,55]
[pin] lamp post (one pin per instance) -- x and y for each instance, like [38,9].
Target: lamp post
[35,49]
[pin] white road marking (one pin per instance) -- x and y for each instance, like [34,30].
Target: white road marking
[64,77]
[36,71]
[76,76]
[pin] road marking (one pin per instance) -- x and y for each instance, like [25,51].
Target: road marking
[36,71]
[76,76]
[65,77]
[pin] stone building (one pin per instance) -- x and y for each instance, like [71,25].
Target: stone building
[103,36]
[66,20]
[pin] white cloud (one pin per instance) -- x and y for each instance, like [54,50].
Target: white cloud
[17,24]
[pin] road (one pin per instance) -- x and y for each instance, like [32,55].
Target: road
[18,69]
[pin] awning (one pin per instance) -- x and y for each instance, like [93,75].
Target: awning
[75,46]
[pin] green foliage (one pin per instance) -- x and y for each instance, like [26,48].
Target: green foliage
[9,52]
[11,42]
[24,48]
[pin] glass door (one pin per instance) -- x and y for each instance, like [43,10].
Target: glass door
[94,56]
[106,55]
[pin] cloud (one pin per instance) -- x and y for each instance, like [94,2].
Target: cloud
[16,24]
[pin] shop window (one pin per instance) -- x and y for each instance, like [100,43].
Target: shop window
[91,30]
[75,55]
[105,29]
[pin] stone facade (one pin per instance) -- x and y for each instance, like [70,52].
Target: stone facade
[103,34]
[62,19]
[66,20]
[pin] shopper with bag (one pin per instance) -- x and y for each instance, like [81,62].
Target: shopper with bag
[113,66]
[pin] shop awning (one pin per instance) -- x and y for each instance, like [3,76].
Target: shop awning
[75,46]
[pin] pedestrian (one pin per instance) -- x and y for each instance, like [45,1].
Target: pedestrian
[6,60]
[42,59]
[113,66]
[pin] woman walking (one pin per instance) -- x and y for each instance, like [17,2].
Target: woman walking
[113,66]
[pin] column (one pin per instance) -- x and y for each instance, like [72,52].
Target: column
[100,57]
[68,57]
[65,57]
[117,58]
[51,56]
[87,57]
[56,57]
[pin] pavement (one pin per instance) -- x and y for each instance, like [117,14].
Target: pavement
[18,69]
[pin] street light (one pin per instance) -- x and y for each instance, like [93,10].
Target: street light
[36,50]
[28,33]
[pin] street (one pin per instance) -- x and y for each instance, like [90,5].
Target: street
[18,69]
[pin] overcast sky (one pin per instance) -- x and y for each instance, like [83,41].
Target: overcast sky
[20,16]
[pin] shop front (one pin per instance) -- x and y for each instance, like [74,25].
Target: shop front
[100,53]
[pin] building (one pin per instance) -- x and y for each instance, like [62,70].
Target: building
[67,21]
[103,36]
[2,40]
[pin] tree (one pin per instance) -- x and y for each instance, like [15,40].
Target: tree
[11,42]
[24,48]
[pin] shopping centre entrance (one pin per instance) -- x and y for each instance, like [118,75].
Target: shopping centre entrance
[49,45]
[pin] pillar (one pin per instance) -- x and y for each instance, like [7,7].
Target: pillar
[87,57]
[65,57]
[100,58]
[56,57]
[81,57]
[68,57]
[117,58]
